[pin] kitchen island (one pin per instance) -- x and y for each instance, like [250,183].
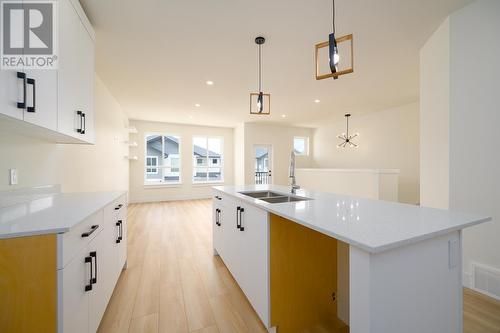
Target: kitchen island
[321,261]
[61,255]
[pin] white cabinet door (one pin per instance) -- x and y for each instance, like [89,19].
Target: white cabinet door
[41,98]
[103,282]
[252,273]
[122,234]
[12,92]
[75,76]
[74,299]
[229,247]
[111,222]
[217,225]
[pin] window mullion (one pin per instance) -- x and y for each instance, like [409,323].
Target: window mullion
[206,161]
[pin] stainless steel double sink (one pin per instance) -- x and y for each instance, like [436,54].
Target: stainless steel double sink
[273,197]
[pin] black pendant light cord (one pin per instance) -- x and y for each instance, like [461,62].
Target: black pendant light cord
[333,16]
[347,130]
[260,68]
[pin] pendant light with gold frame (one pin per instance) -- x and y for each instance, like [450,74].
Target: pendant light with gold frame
[260,103]
[334,59]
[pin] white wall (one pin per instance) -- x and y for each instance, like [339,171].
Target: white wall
[281,139]
[239,154]
[187,190]
[472,118]
[77,168]
[474,121]
[388,139]
[434,119]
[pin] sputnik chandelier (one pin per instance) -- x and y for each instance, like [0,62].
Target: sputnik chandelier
[346,137]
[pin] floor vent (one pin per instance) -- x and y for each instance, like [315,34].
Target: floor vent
[486,279]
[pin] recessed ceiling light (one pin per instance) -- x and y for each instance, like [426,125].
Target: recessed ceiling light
[210,83]
[317,101]
[283,116]
[197,105]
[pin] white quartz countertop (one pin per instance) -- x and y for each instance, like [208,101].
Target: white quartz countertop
[372,225]
[51,213]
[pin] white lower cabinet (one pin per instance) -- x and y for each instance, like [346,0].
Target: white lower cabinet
[121,235]
[102,252]
[87,280]
[73,300]
[217,225]
[242,241]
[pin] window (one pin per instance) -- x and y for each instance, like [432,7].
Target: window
[301,145]
[207,159]
[151,161]
[163,163]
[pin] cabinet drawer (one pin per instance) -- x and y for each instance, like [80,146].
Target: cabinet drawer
[116,209]
[122,211]
[77,238]
[219,198]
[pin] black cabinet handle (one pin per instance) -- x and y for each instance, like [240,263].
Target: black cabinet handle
[93,254]
[84,123]
[92,229]
[118,207]
[22,76]
[88,287]
[217,217]
[218,198]
[33,83]
[80,114]
[238,217]
[119,224]
[242,228]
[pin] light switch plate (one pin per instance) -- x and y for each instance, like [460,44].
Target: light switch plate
[13,176]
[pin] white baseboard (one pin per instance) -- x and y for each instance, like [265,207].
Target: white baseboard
[162,198]
[486,280]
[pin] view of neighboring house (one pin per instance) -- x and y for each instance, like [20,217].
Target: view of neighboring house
[162,158]
[261,160]
[163,161]
[262,172]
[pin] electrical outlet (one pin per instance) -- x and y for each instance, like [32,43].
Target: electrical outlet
[13,176]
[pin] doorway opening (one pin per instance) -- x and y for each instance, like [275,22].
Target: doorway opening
[262,164]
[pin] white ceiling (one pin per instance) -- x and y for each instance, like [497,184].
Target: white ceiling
[155,56]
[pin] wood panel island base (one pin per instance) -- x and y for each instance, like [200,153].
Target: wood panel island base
[335,263]
[304,282]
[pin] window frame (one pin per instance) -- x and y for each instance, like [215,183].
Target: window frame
[152,166]
[306,145]
[161,182]
[207,159]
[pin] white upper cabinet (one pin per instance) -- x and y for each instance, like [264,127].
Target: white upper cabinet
[12,93]
[56,104]
[41,98]
[76,75]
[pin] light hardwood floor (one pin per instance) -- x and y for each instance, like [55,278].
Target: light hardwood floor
[173,282]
